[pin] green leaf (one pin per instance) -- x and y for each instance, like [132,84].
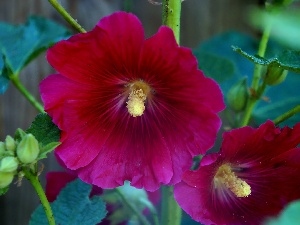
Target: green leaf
[290,60]
[217,67]
[281,98]
[4,80]
[44,130]
[287,59]
[254,58]
[44,150]
[289,216]
[73,206]
[20,44]
[219,48]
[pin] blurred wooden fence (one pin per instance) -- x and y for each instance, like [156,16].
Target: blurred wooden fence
[200,20]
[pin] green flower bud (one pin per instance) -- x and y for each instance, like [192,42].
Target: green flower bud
[6,179]
[9,164]
[10,144]
[237,96]
[275,75]
[19,134]
[28,149]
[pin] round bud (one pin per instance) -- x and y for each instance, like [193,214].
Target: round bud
[28,149]
[275,75]
[10,143]
[9,164]
[6,178]
[237,96]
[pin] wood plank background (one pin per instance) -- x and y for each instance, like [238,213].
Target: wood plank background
[200,20]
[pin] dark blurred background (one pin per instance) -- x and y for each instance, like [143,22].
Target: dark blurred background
[201,19]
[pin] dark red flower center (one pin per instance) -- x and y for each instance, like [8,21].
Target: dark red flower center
[226,178]
[138,93]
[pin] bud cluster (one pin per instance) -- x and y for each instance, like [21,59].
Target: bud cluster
[21,151]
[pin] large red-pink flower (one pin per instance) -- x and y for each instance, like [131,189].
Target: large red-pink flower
[129,108]
[255,174]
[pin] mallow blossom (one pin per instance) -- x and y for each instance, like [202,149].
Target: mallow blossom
[129,108]
[252,178]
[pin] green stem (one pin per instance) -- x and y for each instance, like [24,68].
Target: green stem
[34,180]
[61,10]
[287,115]
[171,212]
[256,93]
[133,209]
[16,81]
[261,52]
[171,16]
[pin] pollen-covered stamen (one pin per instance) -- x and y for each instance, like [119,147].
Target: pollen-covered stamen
[138,92]
[136,102]
[225,176]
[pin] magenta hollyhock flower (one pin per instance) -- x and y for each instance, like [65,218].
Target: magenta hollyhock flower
[255,174]
[129,108]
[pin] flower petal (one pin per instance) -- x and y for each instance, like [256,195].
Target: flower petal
[129,154]
[55,90]
[107,52]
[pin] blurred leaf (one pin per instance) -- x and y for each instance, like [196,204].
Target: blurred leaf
[44,130]
[219,48]
[279,3]
[288,59]
[285,25]
[4,80]
[22,43]
[280,99]
[187,220]
[216,67]
[73,206]
[289,216]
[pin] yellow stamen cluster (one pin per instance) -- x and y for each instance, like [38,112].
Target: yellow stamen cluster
[136,102]
[225,176]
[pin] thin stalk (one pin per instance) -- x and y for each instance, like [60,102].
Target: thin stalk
[171,16]
[171,212]
[287,115]
[61,10]
[256,78]
[261,52]
[16,81]
[133,209]
[34,180]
